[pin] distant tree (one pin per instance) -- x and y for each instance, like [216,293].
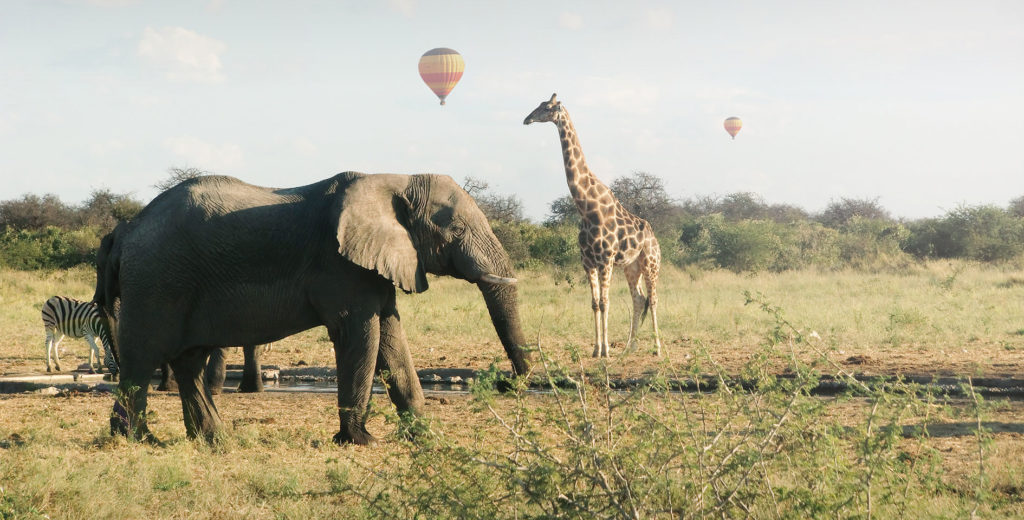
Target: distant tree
[177,175]
[32,212]
[562,211]
[784,213]
[105,208]
[839,212]
[644,195]
[1016,207]
[742,205]
[700,206]
[502,208]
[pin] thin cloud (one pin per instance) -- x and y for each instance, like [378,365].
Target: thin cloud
[571,21]
[620,94]
[183,55]
[659,18]
[208,156]
[406,8]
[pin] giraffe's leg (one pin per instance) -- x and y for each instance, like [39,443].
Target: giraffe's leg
[595,299]
[606,281]
[633,273]
[651,279]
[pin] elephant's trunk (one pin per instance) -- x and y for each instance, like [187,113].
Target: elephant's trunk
[503,305]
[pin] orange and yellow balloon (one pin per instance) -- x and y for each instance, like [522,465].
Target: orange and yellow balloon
[733,125]
[441,69]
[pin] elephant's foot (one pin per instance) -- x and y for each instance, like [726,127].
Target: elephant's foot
[358,436]
[247,386]
[120,424]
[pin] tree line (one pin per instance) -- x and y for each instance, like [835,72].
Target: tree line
[740,231]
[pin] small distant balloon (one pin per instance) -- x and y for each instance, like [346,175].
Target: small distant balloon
[441,69]
[733,125]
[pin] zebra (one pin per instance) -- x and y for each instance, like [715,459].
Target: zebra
[63,316]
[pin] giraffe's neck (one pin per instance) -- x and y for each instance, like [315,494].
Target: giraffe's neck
[583,185]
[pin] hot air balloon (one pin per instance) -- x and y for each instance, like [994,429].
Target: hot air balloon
[733,125]
[441,69]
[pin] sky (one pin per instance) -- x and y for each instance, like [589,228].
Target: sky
[919,104]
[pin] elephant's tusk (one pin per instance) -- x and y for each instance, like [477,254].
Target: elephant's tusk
[493,278]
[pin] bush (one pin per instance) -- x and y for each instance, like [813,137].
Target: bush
[50,248]
[556,245]
[984,233]
[745,245]
[872,244]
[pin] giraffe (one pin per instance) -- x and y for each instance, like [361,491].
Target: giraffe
[609,235]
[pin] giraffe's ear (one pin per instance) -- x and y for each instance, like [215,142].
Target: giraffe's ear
[552,98]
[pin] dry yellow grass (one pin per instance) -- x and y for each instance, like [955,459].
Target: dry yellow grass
[58,460]
[941,318]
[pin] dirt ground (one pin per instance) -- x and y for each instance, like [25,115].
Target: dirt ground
[995,362]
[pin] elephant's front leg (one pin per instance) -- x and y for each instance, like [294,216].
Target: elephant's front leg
[201,416]
[394,358]
[129,414]
[355,352]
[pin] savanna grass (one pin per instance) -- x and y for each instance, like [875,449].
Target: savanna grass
[768,450]
[588,450]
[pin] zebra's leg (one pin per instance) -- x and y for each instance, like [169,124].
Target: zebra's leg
[216,371]
[252,373]
[56,352]
[94,353]
[49,350]
[201,417]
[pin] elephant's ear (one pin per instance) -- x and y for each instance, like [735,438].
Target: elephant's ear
[372,215]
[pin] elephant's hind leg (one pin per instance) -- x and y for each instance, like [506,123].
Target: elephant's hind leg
[216,371]
[252,377]
[201,417]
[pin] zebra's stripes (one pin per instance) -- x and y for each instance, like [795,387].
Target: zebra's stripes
[63,316]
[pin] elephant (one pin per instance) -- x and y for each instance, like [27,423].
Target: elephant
[216,372]
[215,262]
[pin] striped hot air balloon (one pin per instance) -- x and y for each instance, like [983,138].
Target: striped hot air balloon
[441,69]
[733,125]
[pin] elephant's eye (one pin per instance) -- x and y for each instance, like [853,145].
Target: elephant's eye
[458,229]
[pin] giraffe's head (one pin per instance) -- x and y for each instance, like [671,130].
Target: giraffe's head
[550,110]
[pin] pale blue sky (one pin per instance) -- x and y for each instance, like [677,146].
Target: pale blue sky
[918,103]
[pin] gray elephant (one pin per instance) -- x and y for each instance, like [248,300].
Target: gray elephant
[215,262]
